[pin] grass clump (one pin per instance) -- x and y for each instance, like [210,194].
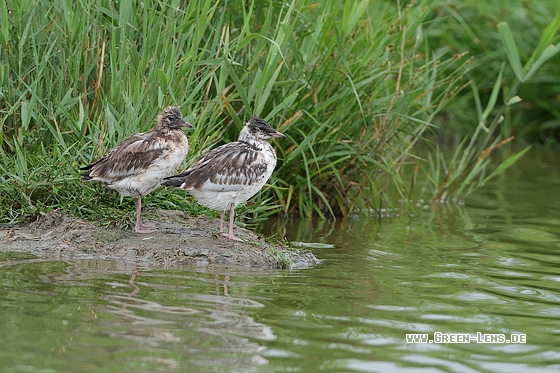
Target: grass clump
[355,86]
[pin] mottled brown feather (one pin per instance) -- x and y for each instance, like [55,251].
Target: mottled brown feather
[233,164]
[127,159]
[140,151]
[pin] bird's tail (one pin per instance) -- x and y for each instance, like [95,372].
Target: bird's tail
[86,175]
[176,181]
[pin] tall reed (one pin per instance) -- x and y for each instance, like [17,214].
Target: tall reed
[353,85]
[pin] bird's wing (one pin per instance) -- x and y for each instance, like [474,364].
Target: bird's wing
[229,167]
[128,158]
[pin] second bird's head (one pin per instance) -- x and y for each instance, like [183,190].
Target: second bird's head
[262,130]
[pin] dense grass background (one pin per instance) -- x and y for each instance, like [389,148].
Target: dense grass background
[354,85]
[470,25]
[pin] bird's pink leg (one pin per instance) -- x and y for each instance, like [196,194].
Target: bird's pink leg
[140,227]
[230,235]
[222,213]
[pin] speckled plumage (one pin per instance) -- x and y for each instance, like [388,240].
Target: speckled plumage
[232,173]
[137,166]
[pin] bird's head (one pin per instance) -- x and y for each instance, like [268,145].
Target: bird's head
[172,118]
[260,129]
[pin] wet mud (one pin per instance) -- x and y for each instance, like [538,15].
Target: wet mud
[180,241]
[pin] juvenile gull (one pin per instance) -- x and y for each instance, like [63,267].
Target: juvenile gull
[138,165]
[232,173]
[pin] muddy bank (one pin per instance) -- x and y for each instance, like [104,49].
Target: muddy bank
[179,241]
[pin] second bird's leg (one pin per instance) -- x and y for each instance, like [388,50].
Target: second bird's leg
[230,235]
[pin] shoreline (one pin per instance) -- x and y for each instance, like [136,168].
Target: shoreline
[180,241]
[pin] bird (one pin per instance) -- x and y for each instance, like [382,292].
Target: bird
[230,174]
[137,166]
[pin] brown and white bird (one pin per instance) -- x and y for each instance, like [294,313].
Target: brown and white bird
[232,173]
[137,166]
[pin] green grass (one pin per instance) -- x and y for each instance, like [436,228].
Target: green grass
[354,86]
[459,26]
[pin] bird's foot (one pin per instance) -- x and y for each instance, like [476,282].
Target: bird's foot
[232,237]
[145,230]
[147,227]
[148,224]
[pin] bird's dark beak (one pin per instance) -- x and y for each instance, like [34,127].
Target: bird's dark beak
[187,124]
[277,135]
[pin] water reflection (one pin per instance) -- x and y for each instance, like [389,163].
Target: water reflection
[488,267]
[161,319]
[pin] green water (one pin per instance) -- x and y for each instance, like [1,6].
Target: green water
[491,267]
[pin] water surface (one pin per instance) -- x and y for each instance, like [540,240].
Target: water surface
[491,267]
